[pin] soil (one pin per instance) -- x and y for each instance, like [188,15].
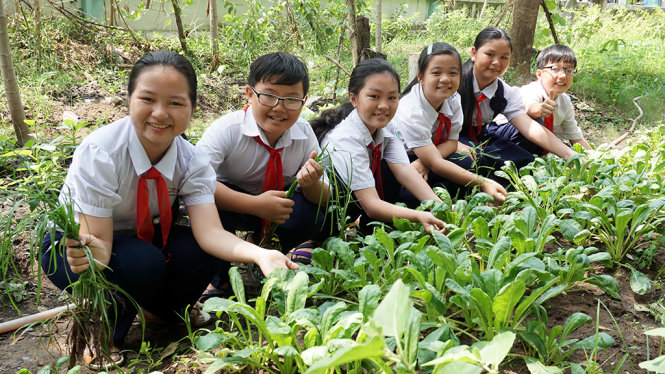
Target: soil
[169,350]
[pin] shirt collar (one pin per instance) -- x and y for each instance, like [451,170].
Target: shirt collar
[429,113]
[359,126]
[141,162]
[488,91]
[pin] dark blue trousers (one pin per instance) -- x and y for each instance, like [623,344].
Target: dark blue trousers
[434,180]
[510,132]
[495,151]
[307,221]
[160,287]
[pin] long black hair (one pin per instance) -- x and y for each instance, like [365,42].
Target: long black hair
[466,87]
[426,55]
[164,58]
[330,118]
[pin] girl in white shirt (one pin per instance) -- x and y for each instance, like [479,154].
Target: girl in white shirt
[366,155]
[163,267]
[484,95]
[429,120]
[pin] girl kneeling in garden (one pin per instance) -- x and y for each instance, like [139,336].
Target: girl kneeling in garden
[366,155]
[126,174]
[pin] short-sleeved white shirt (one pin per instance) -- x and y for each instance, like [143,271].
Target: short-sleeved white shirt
[416,121]
[514,106]
[352,159]
[103,178]
[240,160]
[565,125]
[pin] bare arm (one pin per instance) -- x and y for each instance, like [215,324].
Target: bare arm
[581,142]
[384,211]
[408,177]
[97,234]
[216,241]
[430,157]
[539,135]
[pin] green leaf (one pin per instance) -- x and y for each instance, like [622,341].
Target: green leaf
[393,312]
[574,322]
[537,367]
[237,284]
[297,294]
[458,367]
[607,284]
[209,341]
[656,332]
[371,349]
[497,349]
[639,282]
[603,341]
[657,364]
[368,300]
[505,301]
[412,336]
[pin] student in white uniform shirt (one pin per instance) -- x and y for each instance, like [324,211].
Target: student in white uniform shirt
[429,120]
[484,95]
[125,175]
[259,151]
[367,157]
[546,102]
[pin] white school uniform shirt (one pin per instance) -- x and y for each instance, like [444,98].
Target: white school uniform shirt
[240,160]
[514,106]
[351,157]
[103,178]
[416,120]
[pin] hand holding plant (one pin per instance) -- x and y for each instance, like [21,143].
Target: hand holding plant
[274,206]
[429,222]
[494,189]
[310,172]
[77,257]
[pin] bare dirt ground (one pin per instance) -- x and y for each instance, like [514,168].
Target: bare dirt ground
[30,348]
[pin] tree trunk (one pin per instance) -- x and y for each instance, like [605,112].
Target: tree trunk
[177,12]
[213,33]
[522,30]
[11,86]
[356,46]
[377,36]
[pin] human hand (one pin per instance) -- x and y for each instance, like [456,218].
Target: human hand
[274,206]
[495,190]
[463,148]
[272,259]
[429,222]
[547,108]
[422,169]
[76,257]
[310,172]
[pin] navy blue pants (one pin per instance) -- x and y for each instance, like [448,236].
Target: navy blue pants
[495,152]
[462,160]
[307,221]
[160,287]
[509,132]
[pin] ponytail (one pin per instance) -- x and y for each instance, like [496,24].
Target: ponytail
[466,93]
[330,118]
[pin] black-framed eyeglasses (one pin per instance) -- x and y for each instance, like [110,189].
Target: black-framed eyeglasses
[290,103]
[558,70]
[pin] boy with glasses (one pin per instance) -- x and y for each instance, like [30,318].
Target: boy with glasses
[546,101]
[259,151]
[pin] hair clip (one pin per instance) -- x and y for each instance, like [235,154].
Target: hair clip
[429,49]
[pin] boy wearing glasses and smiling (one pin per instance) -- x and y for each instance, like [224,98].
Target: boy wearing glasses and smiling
[545,100]
[258,151]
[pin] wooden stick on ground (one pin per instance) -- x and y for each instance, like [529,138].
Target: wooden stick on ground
[20,322]
[632,127]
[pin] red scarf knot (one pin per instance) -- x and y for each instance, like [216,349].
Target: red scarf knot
[444,124]
[144,227]
[376,167]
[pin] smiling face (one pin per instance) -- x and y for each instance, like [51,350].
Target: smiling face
[441,79]
[490,61]
[555,83]
[274,121]
[160,108]
[377,100]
